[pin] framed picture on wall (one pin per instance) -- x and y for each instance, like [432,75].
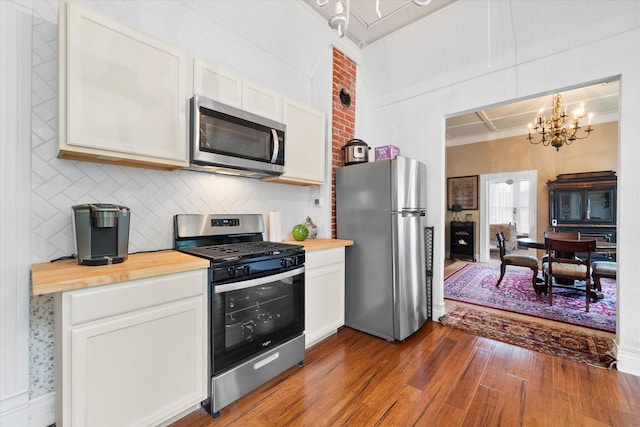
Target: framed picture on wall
[463,191]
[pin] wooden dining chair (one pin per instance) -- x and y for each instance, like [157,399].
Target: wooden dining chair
[558,235]
[561,264]
[528,261]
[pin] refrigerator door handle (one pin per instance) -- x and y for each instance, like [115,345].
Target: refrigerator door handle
[410,291]
[412,212]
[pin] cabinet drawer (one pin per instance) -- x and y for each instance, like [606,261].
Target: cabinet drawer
[110,300]
[325,257]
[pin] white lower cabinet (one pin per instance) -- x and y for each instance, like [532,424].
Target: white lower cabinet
[324,293]
[131,353]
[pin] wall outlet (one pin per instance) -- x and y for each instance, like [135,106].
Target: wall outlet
[317,202]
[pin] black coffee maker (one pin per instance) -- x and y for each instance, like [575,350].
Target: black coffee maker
[102,233]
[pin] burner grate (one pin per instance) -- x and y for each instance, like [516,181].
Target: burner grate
[242,250]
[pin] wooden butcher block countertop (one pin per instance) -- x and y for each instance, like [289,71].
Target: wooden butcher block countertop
[50,277]
[320,244]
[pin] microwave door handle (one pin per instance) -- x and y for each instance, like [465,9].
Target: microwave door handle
[276,146]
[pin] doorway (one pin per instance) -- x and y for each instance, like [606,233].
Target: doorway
[507,197]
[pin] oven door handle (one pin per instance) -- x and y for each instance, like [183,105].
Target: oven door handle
[245,284]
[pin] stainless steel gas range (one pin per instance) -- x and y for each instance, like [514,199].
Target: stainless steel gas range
[256,310]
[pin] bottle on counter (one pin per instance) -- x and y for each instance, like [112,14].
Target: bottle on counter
[313,229]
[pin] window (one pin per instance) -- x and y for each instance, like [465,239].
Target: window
[509,202]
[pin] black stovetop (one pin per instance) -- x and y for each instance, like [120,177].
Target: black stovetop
[243,250]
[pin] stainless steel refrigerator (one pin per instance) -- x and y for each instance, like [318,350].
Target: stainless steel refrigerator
[381,207]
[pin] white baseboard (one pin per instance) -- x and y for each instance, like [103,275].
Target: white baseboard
[14,410]
[314,338]
[42,410]
[179,416]
[628,361]
[438,310]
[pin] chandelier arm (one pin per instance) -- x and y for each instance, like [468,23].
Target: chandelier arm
[588,131]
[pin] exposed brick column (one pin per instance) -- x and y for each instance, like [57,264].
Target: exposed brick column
[344,119]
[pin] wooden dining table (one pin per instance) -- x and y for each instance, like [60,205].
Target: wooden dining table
[538,243]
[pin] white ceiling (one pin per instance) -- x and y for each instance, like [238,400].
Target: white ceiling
[364,25]
[490,123]
[513,119]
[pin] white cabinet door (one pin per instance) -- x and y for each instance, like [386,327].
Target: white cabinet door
[123,359]
[304,145]
[217,83]
[224,86]
[261,100]
[123,93]
[324,294]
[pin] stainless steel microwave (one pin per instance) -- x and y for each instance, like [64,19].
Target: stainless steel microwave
[231,141]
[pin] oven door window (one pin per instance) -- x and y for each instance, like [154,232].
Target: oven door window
[267,312]
[224,134]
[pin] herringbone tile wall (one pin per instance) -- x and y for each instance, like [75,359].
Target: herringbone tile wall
[153,196]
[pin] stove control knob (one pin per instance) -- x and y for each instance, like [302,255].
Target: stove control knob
[239,271]
[288,261]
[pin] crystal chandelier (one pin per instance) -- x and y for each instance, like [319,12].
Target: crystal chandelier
[340,19]
[554,131]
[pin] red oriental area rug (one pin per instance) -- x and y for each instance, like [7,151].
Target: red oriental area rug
[476,284]
[594,350]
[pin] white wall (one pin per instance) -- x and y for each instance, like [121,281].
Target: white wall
[15,154]
[280,44]
[475,54]
[407,84]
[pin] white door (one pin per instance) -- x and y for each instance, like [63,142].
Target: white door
[507,197]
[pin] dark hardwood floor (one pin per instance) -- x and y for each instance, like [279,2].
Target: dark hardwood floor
[439,376]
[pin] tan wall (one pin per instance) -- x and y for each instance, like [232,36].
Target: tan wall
[598,152]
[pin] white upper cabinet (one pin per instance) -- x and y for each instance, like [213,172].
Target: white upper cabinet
[261,100]
[123,94]
[224,86]
[304,145]
[217,83]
